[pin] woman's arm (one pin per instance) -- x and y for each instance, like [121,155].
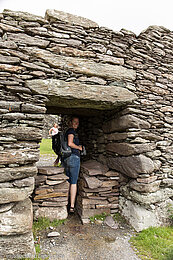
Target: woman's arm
[50,131]
[71,144]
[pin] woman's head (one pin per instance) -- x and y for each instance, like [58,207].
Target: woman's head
[74,122]
[55,125]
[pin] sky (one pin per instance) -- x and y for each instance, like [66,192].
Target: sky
[133,15]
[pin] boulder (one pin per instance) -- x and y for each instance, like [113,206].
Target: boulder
[131,166]
[138,216]
[17,220]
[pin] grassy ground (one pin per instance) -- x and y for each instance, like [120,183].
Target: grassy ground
[46,146]
[154,243]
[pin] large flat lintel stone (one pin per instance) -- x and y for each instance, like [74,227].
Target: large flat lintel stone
[77,95]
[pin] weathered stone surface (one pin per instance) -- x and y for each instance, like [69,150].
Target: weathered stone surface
[139,217]
[131,166]
[20,246]
[51,195]
[17,191]
[129,149]
[11,68]
[167,182]
[147,180]
[110,222]
[17,220]
[123,123]
[50,170]
[29,108]
[52,213]
[9,60]
[25,39]
[22,156]
[24,15]
[8,44]
[92,182]
[145,187]
[84,66]
[56,16]
[147,199]
[92,167]
[54,182]
[78,95]
[18,132]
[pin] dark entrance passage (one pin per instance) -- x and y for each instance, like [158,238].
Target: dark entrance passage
[98,185]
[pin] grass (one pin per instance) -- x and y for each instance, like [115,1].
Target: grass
[119,218]
[43,223]
[98,217]
[46,146]
[154,243]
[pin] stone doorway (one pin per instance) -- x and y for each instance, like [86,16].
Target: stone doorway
[98,185]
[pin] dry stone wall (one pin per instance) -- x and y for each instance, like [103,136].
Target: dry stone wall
[39,58]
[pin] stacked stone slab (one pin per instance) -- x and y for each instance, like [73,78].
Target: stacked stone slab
[50,196]
[98,190]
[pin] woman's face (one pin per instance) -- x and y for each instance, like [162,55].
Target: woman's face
[75,123]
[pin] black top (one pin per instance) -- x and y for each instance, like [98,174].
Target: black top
[75,140]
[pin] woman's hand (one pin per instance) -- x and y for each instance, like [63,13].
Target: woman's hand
[80,147]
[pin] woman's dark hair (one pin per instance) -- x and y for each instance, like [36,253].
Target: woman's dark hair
[73,117]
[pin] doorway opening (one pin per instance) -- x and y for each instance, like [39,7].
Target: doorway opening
[98,185]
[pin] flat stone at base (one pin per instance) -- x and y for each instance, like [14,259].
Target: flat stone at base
[51,212]
[85,220]
[18,246]
[53,234]
[110,222]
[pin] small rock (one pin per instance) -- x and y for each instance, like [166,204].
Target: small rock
[110,222]
[51,227]
[53,234]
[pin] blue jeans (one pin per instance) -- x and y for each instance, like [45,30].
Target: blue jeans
[72,168]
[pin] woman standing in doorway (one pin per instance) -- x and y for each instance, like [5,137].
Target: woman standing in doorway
[72,163]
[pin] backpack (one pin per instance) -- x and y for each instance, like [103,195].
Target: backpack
[60,145]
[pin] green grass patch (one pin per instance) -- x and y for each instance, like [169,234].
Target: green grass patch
[119,218]
[43,223]
[98,217]
[154,243]
[46,146]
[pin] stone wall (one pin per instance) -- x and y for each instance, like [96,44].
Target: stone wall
[70,65]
